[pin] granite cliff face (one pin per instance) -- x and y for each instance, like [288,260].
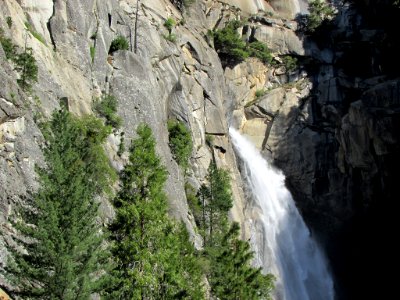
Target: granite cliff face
[334,133]
[331,130]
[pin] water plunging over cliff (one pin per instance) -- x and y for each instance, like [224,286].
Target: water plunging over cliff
[288,250]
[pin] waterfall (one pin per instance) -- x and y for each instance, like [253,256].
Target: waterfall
[284,245]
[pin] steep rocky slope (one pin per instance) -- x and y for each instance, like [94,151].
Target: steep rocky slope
[330,125]
[162,80]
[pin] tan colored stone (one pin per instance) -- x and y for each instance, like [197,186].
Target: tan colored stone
[256,129]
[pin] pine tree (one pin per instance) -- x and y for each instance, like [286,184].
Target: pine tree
[232,276]
[146,243]
[216,198]
[60,232]
[27,67]
[230,273]
[183,274]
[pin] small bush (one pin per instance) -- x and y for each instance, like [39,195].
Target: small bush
[180,142]
[9,48]
[231,47]
[228,43]
[319,12]
[28,69]
[107,108]
[261,51]
[170,24]
[25,62]
[187,3]
[120,43]
[9,22]
[170,37]
[260,93]
[290,63]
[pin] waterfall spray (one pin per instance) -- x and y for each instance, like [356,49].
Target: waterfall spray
[285,248]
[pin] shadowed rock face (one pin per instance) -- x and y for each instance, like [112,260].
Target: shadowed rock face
[339,145]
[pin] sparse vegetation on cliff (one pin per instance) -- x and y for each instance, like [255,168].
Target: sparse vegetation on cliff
[34,33]
[180,142]
[233,49]
[170,24]
[25,63]
[290,63]
[260,93]
[120,43]
[320,11]
[106,107]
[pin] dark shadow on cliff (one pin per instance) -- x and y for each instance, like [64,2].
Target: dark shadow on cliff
[347,189]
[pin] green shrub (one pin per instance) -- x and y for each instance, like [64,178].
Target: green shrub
[319,12]
[9,22]
[187,3]
[170,37]
[230,46]
[228,43]
[9,48]
[260,50]
[120,43]
[290,63]
[35,34]
[180,142]
[169,24]
[107,108]
[28,69]
[260,93]
[25,62]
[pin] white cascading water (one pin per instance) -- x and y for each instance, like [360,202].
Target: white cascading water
[286,248]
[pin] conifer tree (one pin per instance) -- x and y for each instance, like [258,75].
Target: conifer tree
[61,235]
[231,275]
[216,199]
[148,250]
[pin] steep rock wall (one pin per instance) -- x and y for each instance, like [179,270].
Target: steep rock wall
[182,79]
[331,130]
[162,80]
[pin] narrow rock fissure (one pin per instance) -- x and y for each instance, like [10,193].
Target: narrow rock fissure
[48,24]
